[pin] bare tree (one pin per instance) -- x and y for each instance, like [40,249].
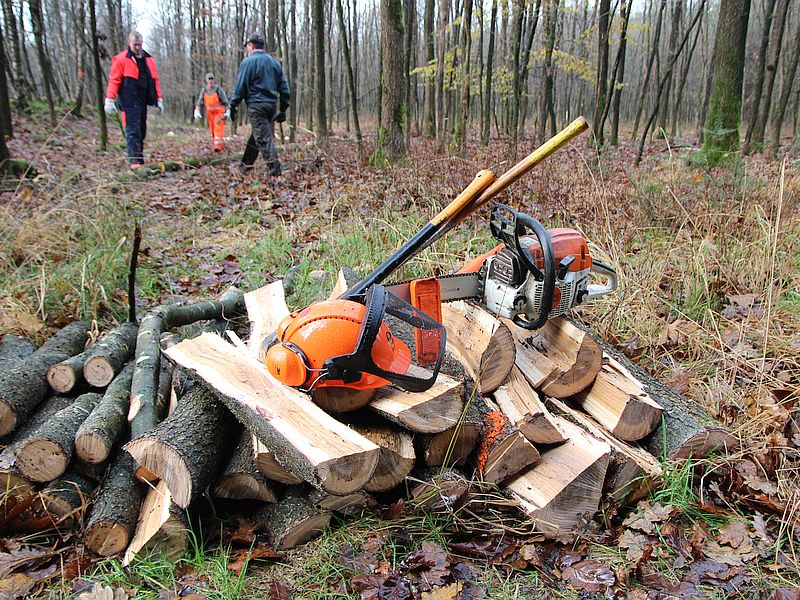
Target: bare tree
[546,106]
[429,118]
[35,8]
[486,120]
[391,142]
[98,76]
[318,21]
[789,74]
[601,83]
[351,83]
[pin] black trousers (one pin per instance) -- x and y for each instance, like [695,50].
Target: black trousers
[261,138]
[135,131]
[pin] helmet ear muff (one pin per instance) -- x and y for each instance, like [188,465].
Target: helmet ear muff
[288,364]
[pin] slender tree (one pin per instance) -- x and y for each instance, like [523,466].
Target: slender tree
[35,8]
[789,74]
[649,70]
[6,128]
[351,82]
[429,115]
[486,121]
[318,21]
[601,83]
[462,121]
[391,141]
[758,84]
[98,76]
[546,106]
[725,107]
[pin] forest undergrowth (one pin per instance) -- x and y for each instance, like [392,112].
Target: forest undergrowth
[709,265]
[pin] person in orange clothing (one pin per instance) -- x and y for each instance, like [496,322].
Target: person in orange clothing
[213,97]
[133,81]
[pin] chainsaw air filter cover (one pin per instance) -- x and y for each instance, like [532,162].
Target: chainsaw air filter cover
[362,343]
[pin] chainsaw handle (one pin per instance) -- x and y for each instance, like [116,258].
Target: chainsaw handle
[547,273]
[597,290]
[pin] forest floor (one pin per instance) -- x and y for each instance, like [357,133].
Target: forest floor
[709,264]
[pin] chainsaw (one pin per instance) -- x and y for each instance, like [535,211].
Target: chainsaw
[376,335]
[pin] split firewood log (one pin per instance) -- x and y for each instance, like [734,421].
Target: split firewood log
[65,499]
[502,449]
[14,348]
[618,401]
[521,404]
[189,449]
[351,504]
[439,491]
[108,356]
[559,359]
[46,453]
[396,458]
[304,439]
[270,467]
[115,510]
[162,528]
[431,411]
[294,520]
[24,385]
[633,473]
[685,428]
[12,481]
[97,434]
[241,479]
[144,412]
[481,342]
[266,307]
[452,446]
[565,485]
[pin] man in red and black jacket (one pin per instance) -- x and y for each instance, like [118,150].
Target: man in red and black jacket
[134,82]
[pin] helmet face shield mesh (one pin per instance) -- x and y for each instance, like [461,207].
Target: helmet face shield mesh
[389,342]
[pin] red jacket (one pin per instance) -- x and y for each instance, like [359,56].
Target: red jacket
[124,75]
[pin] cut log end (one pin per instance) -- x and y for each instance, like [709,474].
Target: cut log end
[305,530]
[396,457]
[243,486]
[14,484]
[106,538]
[167,464]
[347,474]
[451,447]
[42,460]
[271,468]
[61,378]
[98,372]
[639,419]
[339,400]
[497,360]
[92,447]
[8,418]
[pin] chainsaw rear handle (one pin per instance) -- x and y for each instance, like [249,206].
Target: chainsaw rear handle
[523,224]
[597,290]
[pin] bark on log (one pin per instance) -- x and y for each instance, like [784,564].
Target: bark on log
[24,386]
[481,342]
[115,510]
[616,399]
[162,528]
[686,429]
[107,357]
[565,485]
[165,397]
[439,492]
[396,457]
[46,453]
[502,449]
[12,481]
[144,412]
[189,449]
[633,473]
[521,404]
[241,479]
[304,439]
[559,359]
[270,467]
[13,349]
[351,504]
[65,500]
[96,436]
[292,521]
[453,446]
[432,411]
[64,376]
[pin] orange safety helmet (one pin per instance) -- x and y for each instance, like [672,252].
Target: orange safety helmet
[346,343]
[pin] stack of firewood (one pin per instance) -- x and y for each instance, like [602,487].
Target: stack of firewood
[555,418]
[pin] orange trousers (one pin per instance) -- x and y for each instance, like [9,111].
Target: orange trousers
[216,125]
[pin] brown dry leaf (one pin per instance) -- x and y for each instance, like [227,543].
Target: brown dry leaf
[589,576]
[786,594]
[243,557]
[430,562]
[245,532]
[646,518]
[735,534]
[18,585]
[675,333]
[635,544]
[685,590]
[380,587]
[447,592]
[11,561]
[279,591]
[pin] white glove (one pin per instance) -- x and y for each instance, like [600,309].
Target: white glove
[110,107]
[160,105]
[197,115]
[227,115]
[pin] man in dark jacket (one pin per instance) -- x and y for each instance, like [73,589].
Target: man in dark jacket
[261,84]
[133,80]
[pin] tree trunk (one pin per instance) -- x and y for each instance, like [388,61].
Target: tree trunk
[684,75]
[391,140]
[649,70]
[21,84]
[441,54]
[37,24]
[601,83]
[351,82]
[518,10]
[486,121]
[98,78]
[664,99]
[24,386]
[409,64]
[6,128]
[429,119]
[774,55]
[618,80]
[318,21]
[789,73]
[551,17]
[725,106]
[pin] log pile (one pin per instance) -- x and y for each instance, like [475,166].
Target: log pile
[557,421]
